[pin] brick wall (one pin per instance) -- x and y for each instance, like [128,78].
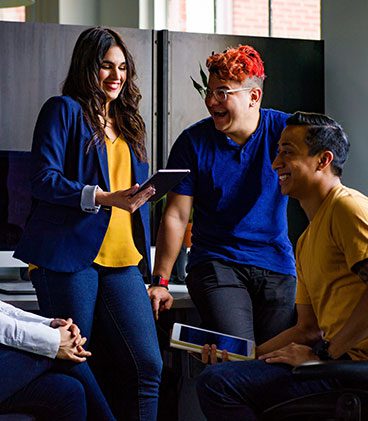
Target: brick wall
[296,19]
[177,17]
[250,17]
[290,18]
[14,14]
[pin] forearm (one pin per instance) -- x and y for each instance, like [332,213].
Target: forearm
[354,330]
[29,336]
[298,334]
[104,198]
[169,242]
[22,315]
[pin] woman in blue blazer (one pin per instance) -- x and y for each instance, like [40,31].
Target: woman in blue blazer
[87,239]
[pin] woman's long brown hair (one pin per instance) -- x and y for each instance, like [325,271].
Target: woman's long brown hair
[82,84]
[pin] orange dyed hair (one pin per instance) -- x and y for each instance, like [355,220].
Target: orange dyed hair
[236,64]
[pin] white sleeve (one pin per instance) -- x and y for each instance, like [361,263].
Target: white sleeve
[88,199]
[31,335]
[20,314]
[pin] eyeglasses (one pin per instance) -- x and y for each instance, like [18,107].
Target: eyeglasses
[220,94]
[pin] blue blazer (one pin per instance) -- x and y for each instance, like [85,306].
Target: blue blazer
[59,235]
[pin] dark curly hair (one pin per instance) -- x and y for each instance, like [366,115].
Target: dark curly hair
[323,134]
[82,84]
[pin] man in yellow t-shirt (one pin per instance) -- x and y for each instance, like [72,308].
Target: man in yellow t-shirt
[332,268]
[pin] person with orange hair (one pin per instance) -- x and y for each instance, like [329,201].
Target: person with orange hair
[241,269]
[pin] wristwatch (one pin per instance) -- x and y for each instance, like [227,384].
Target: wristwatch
[321,350]
[159,281]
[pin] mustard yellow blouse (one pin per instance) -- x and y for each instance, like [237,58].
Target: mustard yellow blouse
[118,248]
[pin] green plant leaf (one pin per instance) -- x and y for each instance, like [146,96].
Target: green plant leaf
[199,88]
[203,76]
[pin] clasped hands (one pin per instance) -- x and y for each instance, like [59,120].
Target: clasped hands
[71,341]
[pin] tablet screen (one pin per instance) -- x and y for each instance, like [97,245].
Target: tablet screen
[163,181]
[202,337]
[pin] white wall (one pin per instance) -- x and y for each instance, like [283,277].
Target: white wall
[121,13]
[345,32]
[79,12]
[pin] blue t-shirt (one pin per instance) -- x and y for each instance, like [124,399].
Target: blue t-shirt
[239,212]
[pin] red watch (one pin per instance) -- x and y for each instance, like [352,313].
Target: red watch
[159,281]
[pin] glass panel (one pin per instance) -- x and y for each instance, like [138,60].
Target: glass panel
[296,19]
[200,16]
[290,18]
[191,15]
[14,14]
[250,17]
[176,15]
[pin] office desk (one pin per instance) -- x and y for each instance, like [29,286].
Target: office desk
[29,301]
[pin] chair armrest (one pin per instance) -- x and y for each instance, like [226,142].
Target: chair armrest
[349,371]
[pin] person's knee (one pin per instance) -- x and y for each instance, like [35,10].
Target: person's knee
[210,383]
[151,367]
[68,392]
[229,381]
[71,386]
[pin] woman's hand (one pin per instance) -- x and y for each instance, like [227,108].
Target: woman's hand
[125,199]
[292,354]
[73,328]
[55,323]
[71,343]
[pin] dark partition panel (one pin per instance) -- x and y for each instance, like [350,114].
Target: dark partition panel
[295,81]
[35,58]
[294,69]
[34,61]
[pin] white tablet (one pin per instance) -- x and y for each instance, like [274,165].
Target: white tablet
[163,181]
[193,338]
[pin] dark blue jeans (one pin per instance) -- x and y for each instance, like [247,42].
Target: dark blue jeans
[111,306]
[240,391]
[49,389]
[242,300]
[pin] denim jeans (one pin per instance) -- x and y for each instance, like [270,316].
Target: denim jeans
[242,300]
[49,389]
[240,391]
[111,306]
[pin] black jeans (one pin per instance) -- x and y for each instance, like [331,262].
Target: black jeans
[242,300]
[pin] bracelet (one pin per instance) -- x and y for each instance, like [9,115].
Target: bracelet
[159,281]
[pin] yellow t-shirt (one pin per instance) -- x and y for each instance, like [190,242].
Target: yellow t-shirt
[118,248]
[334,241]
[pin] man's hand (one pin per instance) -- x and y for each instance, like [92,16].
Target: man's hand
[209,355]
[292,354]
[71,343]
[161,299]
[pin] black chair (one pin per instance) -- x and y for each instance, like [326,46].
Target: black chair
[343,404]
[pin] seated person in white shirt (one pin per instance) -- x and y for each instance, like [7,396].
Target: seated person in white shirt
[33,378]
